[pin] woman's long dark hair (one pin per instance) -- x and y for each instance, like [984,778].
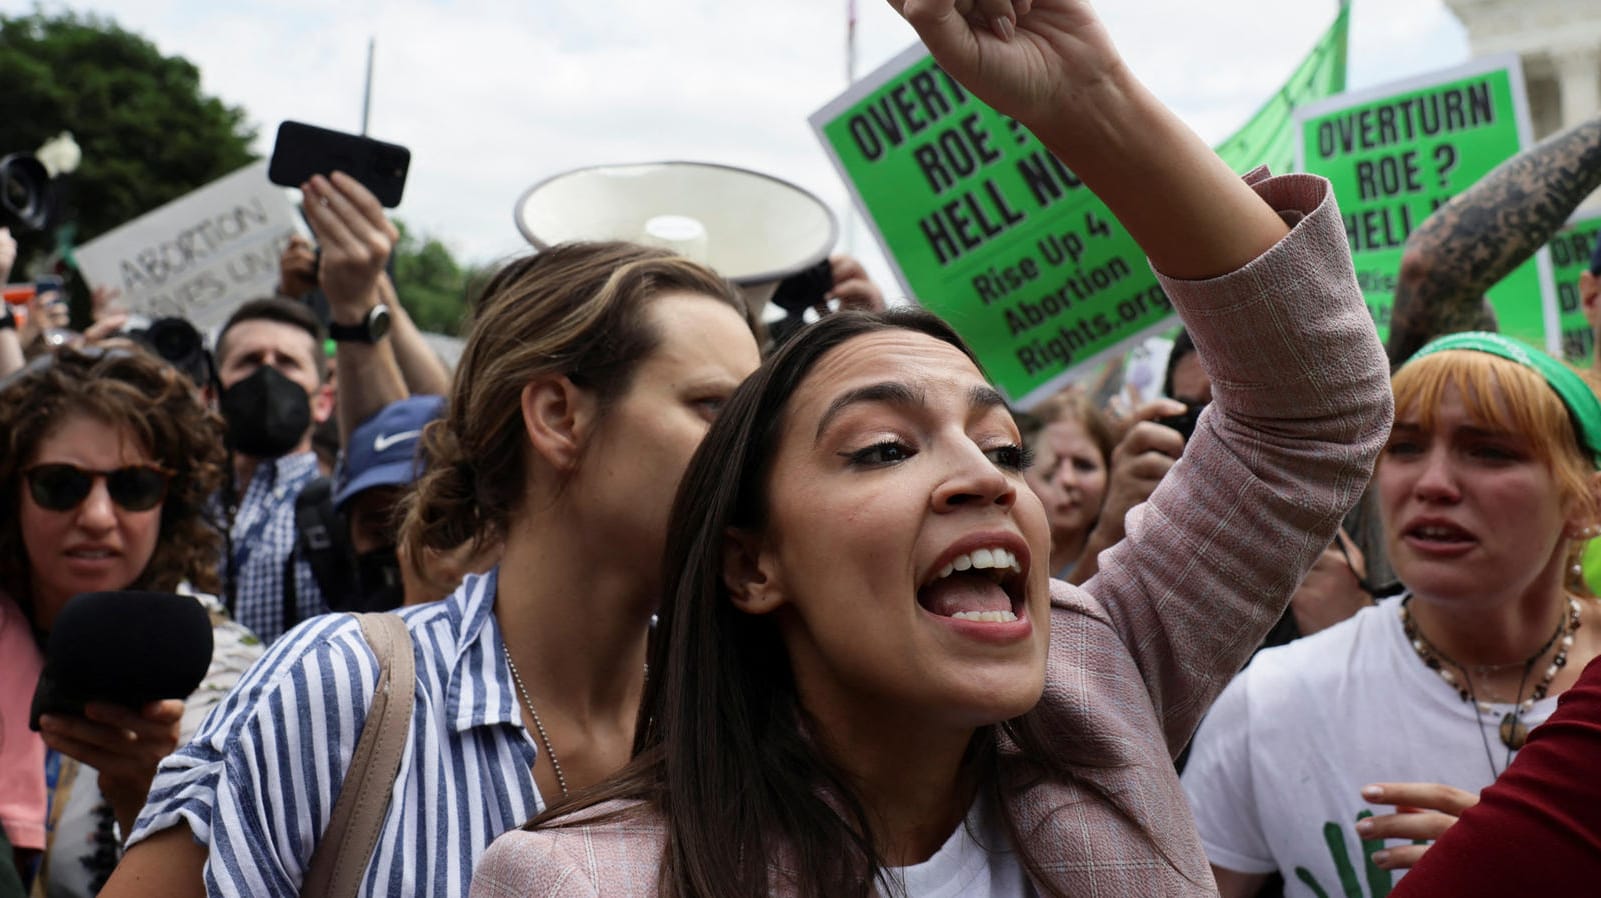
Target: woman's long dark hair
[722,749]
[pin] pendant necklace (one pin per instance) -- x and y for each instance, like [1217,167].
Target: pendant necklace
[1511,729]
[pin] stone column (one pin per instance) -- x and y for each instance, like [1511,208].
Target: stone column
[1579,79]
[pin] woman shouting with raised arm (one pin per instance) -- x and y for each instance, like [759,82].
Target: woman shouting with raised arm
[863,679]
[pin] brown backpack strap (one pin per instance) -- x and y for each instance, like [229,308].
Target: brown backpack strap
[346,846]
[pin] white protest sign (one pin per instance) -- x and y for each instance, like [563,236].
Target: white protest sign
[200,255]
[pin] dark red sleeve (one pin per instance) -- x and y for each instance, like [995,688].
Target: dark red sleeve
[1537,830]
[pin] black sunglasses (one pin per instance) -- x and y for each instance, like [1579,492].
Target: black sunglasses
[62,487]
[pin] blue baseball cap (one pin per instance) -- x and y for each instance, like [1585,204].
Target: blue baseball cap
[383,450]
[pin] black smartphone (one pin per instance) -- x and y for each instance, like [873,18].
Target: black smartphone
[1185,423]
[303,150]
[50,283]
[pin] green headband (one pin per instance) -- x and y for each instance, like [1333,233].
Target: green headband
[1580,400]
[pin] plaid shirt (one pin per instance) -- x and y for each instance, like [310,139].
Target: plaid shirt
[262,538]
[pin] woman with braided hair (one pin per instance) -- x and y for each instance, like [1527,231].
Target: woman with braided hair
[590,376]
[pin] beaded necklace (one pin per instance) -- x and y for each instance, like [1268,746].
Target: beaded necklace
[1512,730]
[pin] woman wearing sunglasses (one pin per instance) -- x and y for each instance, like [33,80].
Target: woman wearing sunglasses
[106,463]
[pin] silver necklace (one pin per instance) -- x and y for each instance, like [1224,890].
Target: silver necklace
[544,738]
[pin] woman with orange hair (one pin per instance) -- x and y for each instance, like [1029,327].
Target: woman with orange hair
[1488,489]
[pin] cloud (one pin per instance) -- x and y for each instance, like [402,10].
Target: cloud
[493,96]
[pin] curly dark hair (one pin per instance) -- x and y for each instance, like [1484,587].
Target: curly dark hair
[128,389]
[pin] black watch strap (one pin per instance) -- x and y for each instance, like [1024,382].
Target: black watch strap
[373,327]
[8,318]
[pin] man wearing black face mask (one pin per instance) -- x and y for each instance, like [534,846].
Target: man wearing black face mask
[271,413]
[379,463]
[270,367]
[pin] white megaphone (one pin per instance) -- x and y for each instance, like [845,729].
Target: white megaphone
[753,229]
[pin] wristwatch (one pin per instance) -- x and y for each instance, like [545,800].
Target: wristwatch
[8,319]
[373,327]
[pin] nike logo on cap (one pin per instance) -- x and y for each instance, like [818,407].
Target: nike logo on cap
[385,440]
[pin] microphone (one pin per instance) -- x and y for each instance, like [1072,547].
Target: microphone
[125,647]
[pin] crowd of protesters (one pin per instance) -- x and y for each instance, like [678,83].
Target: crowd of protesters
[639,601]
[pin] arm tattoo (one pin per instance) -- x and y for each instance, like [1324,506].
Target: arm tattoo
[1481,235]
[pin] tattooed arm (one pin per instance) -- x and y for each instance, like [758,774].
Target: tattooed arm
[1477,238]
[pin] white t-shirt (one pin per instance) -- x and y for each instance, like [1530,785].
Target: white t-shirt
[977,861]
[1277,767]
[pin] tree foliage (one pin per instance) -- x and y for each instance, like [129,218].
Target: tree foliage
[148,133]
[431,284]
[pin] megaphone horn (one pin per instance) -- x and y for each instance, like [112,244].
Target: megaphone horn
[754,229]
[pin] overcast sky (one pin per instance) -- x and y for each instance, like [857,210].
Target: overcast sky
[493,96]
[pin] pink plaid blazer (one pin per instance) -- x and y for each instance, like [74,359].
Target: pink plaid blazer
[1301,409]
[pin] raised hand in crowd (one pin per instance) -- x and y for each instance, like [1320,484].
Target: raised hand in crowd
[1139,461]
[1485,232]
[107,313]
[297,268]
[356,239]
[47,311]
[853,289]
[8,254]
[1058,71]
[1332,590]
[11,356]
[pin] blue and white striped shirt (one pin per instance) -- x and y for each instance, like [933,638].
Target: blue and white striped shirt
[258,782]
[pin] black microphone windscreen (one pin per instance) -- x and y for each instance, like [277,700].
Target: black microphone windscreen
[126,647]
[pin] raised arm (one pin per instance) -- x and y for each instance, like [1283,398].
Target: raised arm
[1301,393]
[420,366]
[356,240]
[11,357]
[1477,238]
[1059,74]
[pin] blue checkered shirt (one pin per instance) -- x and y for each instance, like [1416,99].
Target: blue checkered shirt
[263,536]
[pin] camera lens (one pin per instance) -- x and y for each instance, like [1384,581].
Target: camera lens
[174,339]
[24,192]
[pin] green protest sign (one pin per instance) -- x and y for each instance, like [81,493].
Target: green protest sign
[987,229]
[1570,257]
[1398,152]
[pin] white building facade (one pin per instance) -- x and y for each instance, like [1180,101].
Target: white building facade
[1559,42]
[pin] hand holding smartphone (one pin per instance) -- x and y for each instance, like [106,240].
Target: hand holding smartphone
[302,151]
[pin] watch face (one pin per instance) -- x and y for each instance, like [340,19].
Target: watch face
[378,322]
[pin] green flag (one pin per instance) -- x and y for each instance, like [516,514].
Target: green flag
[1269,137]
[989,231]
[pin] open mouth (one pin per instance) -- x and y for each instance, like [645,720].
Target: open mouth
[984,585]
[1441,534]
